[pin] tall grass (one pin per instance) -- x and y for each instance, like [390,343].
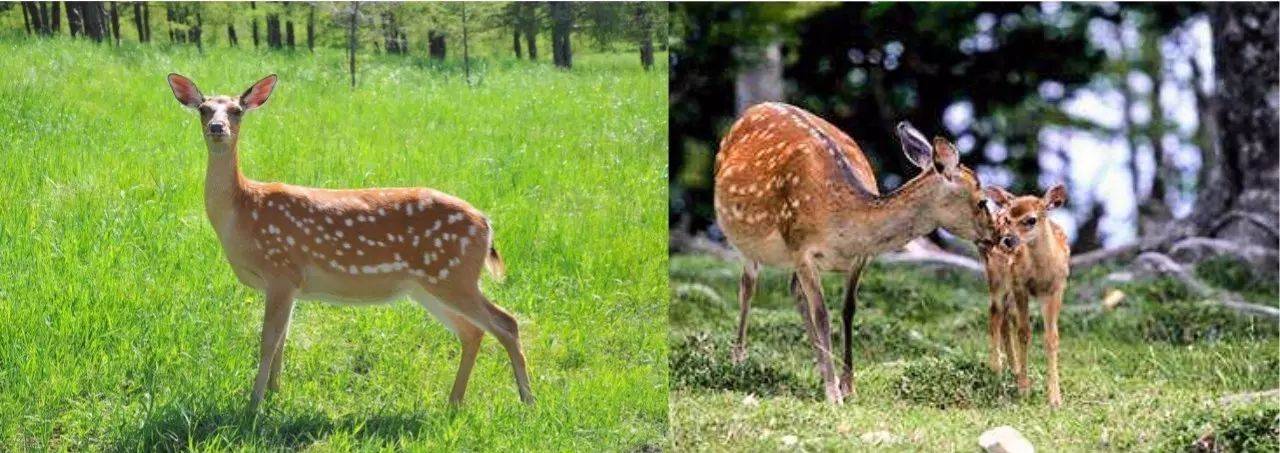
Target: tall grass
[124,328]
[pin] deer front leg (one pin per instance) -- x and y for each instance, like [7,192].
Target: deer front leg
[1023,343]
[275,321]
[277,363]
[746,289]
[846,317]
[811,286]
[1051,305]
[996,333]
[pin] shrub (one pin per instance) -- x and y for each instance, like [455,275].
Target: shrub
[1253,427]
[703,361]
[954,381]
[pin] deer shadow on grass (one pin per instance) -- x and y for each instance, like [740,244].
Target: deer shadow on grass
[180,426]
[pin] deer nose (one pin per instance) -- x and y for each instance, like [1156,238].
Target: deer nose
[1009,242]
[217,128]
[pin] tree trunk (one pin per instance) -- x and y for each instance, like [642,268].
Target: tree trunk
[55,18]
[92,17]
[311,28]
[515,43]
[31,13]
[351,41]
[75,18]
[466,55]
[137,21]
[168,18]
[274,39]
[45,20]
[1244,176]
[146,20]
[436,47]
[253,6]
[762,80]
[115,23]
[645,25]
[198,32]
[231,35]
[26,18]
[561,28]
[288,27]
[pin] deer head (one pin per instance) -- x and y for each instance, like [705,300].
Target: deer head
[220,115]
[957,203]
[1024,219]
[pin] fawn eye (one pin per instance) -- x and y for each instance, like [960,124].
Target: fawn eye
[982,205]
[234,111]
[1031,221]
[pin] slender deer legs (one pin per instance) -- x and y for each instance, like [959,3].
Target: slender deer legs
[995,333]
[746,289]
[476,308]
[818,320]
[846,316]
[275,322]
[1023,342]
[277,363]
[1050,305]
[470,336]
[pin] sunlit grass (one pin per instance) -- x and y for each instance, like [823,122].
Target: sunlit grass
[123,327]
[1141,377]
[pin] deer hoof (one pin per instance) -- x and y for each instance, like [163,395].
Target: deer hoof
[739,354]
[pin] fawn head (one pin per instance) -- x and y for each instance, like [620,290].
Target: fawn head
[958,203]
[220,115]
[1023,219]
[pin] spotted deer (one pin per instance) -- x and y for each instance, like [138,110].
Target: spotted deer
[792,190]
[1031,261]
[358,247]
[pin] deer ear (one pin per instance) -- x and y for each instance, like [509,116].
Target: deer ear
[1055,197]
[945,157]
[914,145]
[997,194]
[185,90]
[257,94]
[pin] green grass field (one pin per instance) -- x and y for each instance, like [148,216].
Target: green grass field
[124,328]
[1142,377]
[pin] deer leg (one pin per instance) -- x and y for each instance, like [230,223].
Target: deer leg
[1050,305]
[808,275]
[475,307]
[468,334]
[277,363]
[995,333]
[1007,327]
[746,289]
[846,318]
[275,321]
[1023,343]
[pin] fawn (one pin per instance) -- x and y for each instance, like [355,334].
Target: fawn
[358,247]
[792,190]
[1032,260]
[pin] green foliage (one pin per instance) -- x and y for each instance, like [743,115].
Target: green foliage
[124,328]
[954,381]
[920,363]
[1235,275]
[1251,427]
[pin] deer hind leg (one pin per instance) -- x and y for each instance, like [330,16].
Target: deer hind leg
[1007,328]
[277,363]
[1050,305]
[468,334]
[475,307]
[846,316]
[1023,342]
[820,327]
[996,333]
[746,289]
[275,322]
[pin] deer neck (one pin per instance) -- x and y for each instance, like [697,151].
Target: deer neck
[223,184]
[889,221]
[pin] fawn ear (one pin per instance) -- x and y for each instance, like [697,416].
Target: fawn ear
[257,94]
[997,194]
[185,90]
[914,145]
[1055,197]
[945,157]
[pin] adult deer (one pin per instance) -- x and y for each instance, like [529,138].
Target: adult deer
[350,246]
[792,190]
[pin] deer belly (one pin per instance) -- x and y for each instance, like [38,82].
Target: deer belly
[769,249]
[345,289]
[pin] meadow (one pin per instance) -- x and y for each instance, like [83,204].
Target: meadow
[124,328]
[1145,376]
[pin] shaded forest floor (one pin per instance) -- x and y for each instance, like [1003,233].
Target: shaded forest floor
[1146,375]
[125,329]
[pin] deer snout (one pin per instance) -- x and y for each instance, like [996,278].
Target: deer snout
[1009,242]
[217,128]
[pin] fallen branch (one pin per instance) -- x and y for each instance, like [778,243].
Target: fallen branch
[1090,259]
[1196,249]
[1160,264]
[922,251]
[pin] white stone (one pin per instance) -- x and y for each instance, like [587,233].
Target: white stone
[1004,439]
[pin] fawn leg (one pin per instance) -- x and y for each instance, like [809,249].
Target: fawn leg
[846,316]
[1051,305]
[1024,342]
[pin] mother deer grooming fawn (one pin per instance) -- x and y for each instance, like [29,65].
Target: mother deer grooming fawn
[352,246]
[792,190]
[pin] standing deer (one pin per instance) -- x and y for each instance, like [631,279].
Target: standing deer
[792,190]
[1033,260]
[358,247]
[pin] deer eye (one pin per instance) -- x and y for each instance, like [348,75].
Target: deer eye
[982,205]
[1030,221]
[205,110]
